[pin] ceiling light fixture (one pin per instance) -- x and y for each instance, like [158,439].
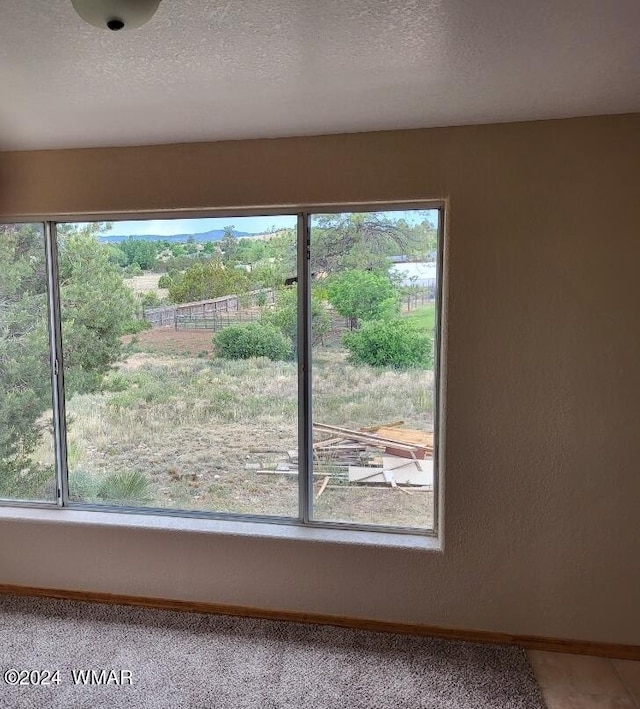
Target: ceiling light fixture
[116,14]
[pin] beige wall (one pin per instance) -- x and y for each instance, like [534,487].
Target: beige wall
[543,387]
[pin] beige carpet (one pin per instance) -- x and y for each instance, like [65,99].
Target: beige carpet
[192,660]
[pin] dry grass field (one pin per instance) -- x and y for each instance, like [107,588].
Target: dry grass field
[146,283]
[200,429]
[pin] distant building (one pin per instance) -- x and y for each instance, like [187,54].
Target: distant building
[416,273]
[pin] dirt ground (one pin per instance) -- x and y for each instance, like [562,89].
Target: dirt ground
[168,341]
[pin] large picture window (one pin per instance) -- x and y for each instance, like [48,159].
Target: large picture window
[279,367]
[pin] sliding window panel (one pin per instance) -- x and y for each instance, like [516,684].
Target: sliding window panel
[373,302]
[27,458]
[179,363]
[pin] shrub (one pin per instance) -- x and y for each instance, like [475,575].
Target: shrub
[123,488]
[134,326]
[389,343]
[165,281]
[252,340]
[133,269]
[150,300]
[115,381]
[25,480]
[143,388]
[83,486]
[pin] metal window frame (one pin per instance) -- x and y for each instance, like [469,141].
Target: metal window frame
[57,364]
[303,216]
[305,389]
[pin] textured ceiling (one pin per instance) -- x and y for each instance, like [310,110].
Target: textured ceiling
[209,70]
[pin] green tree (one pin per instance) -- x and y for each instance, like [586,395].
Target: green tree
[96,306]
[284,316]
[229,244]
[206,280]
[367,240]
[95,303]
[281,248]
[117,256]
[25,383]
[140,252]
[363,295]
[354,241]
[251,250]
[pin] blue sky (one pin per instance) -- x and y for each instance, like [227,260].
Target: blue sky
[251,225]
[166,227]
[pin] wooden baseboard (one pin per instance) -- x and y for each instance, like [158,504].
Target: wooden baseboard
[577,647]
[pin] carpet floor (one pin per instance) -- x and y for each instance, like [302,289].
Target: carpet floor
[202,661]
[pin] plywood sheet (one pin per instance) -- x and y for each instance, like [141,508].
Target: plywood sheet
[406,435]
[405,472]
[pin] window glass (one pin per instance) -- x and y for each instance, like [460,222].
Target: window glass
[180,373]
[373,294]
[27,461]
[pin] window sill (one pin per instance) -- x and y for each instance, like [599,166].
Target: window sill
[226,527]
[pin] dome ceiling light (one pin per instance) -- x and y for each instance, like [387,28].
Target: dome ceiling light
[116,15]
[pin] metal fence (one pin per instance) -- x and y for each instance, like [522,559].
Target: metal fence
[424,296]
[218,313]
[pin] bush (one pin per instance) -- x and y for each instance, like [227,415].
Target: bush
[165,281]
[83,486]
[134,326]
[252,340]
[133,269]
[25,480]
[115,381]
[125,488]
[389,343]
[150,300]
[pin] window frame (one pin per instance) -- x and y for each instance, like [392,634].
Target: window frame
[304,367]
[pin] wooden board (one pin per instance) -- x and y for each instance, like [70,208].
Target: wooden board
[417,453]
[406,435]
[372,439]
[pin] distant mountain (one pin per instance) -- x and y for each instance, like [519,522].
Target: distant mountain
[213,235]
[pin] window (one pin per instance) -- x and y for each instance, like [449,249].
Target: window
[27,463]
[372,363]
[280,368]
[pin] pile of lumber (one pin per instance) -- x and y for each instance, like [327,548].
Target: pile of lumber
[385,454]
[404,443]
